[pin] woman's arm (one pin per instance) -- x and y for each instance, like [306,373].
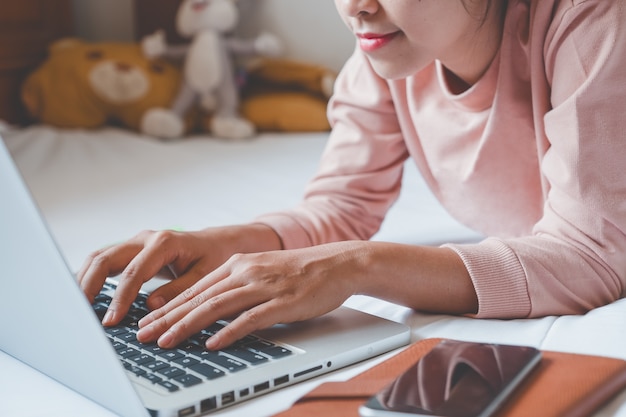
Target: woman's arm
[262,289]
[575,258]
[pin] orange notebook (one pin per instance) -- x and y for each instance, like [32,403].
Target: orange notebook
[563,385]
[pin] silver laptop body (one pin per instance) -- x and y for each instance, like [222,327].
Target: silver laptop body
[47,323]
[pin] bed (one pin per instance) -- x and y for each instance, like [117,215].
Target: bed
[97,187]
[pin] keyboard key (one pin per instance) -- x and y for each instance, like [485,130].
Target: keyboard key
[246,340]
[138,345]
[128,353]
[207,371]
[200,339]
[154,348]
[127,337]
[170,355]
[155,365]
[277,352]
[137,370]
[171,387]
[214,328]
[130,321]
[260,345]
[117,345]
[191,347]
[100,310]
[142,359]
[152,378]
[246,355]
[205,355]
[171,372]
[229,364]
[186,362]
[188,380]
[270,349]
[102,298]
[115,331]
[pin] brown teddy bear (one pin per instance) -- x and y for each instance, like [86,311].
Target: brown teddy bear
[88,85]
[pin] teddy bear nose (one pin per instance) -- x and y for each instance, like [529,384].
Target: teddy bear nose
[200,5]
[122,66]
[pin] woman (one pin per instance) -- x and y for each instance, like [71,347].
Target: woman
[512,111]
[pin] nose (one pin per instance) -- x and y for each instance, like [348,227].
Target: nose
[356,8]
[122,66]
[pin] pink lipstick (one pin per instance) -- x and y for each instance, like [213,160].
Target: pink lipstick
[370,42]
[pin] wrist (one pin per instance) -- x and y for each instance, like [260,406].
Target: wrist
[424,278]
[249,238]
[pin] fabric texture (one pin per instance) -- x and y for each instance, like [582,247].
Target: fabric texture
[563,385]
[532,155]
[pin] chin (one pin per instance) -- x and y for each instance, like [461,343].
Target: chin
[394,70]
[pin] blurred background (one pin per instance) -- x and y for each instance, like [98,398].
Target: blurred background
[311,29]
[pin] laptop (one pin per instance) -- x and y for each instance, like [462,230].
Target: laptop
[48,324]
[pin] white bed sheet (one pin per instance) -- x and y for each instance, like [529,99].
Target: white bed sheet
[100,187]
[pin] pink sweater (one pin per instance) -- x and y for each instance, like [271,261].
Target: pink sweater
[533,155]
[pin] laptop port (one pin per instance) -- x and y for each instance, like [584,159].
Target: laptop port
[187,411]
[307,371]
[208,404]
[261,387]
[281,380]
[228,397]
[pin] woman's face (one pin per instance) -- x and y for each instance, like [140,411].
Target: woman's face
[401,37]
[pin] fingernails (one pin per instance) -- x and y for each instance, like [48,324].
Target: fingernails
[213,342]
[145,334]
[108,317]
[167,339]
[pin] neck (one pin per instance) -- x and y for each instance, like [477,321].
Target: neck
[476,51]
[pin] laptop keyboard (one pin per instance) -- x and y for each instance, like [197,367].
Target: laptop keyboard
[190,363]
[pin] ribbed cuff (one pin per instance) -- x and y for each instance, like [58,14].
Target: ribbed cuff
[498,277]
[291,233]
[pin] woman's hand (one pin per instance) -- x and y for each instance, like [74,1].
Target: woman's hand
[239,272]
[190,255]
[259,290]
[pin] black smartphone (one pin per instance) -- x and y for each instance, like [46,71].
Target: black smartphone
[455,379]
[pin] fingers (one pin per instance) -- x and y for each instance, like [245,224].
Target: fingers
[155,254]
[167,292]
[176,326]
[259,317]
[136,261]
[100,265]
[202,305]
[138,271]
[227,292]
[177,312]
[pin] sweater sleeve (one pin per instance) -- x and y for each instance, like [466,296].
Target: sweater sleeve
[575,259]
[360,172]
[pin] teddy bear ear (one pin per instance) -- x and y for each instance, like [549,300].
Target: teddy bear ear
[64,44]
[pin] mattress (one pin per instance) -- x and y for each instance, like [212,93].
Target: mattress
[100,187]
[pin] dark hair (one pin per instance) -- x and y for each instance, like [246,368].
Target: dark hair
[484,13]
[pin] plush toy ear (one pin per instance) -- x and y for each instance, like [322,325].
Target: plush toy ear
[55,93]
[64,44]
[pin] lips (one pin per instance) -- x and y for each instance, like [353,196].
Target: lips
[370,42]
